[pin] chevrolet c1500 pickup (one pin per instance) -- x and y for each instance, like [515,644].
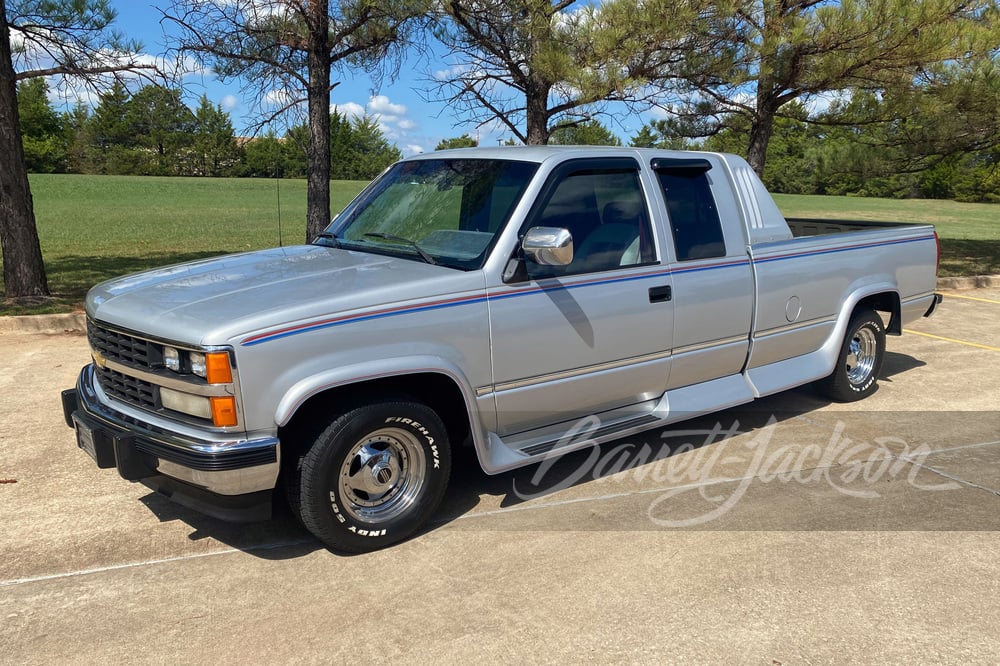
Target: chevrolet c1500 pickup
[485,297]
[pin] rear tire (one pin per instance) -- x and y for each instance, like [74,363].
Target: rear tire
[374,476]
[860,361]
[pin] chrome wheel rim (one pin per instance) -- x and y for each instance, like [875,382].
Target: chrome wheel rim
[382,476]
[861,355]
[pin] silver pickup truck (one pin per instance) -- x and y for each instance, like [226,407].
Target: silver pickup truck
[491,298]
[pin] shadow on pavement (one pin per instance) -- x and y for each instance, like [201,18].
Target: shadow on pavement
[283,537]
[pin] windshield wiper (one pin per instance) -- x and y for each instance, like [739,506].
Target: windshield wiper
[423,254]
[328,236]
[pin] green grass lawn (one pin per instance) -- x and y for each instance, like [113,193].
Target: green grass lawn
[969,233]
[96,227]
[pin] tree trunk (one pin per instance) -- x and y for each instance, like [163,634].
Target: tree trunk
[23,270]
[318,151]
[537,113]
[761,130]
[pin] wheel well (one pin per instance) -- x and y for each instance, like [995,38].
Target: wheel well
[437,391]
[887,302]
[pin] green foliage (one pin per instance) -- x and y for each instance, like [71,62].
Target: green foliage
[265,157]
[108,126]
[162,129]
[42,134]
[69,37]
[589,133]
[464,141]
[660,134]
[367,156]
[214,145]
[533,65]
[646,137]
[358,149]
[769,54]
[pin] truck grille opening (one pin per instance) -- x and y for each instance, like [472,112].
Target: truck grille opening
[133,352]
[128,389]
[124,348]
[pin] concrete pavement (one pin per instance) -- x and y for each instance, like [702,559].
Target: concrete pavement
[787,531]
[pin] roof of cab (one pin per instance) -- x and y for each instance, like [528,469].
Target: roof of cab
[542,153]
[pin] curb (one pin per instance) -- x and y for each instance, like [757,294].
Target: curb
[77,322]
[973,282]
[46,324]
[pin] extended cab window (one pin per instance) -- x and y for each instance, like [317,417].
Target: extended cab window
[605,211]
[694,218]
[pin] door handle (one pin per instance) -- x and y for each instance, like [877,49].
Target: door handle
[660,294]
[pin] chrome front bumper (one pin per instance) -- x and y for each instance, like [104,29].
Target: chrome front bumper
[230,478]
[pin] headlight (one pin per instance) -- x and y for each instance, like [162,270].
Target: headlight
[172,359]
[212,366]
[197,363]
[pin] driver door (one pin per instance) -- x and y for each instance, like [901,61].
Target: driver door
[570,341]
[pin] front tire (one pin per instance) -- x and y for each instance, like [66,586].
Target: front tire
[374,476]
[860,361]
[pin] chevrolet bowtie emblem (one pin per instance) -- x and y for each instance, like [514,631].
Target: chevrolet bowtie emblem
[99,360]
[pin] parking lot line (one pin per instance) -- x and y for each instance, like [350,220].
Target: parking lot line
[162,560]
[960,342]
[972,298]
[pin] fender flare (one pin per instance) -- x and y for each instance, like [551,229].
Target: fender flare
[831,347]
[308,387]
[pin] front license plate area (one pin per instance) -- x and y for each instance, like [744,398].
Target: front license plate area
[96,442]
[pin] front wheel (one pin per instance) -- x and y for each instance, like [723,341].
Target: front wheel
[374,476]
[856,373]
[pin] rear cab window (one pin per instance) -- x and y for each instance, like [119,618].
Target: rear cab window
[693,215]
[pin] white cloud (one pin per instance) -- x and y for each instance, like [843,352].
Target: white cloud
[412,149]
[380,104]
[230,102]
[348,109]
[390,116]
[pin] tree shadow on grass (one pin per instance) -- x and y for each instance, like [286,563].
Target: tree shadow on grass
[969,257]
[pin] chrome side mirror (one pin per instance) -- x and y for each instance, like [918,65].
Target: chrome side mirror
[548,246]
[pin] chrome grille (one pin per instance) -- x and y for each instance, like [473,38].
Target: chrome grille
[128,389]
[124,348]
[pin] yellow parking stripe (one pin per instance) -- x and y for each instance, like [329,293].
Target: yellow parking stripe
[971,298]
[961,342]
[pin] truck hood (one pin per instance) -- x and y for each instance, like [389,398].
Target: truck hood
[216,300]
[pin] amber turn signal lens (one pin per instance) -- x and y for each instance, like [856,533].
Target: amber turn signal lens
[217,369]
[224,411]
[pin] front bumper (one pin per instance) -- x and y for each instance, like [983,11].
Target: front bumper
[230,479]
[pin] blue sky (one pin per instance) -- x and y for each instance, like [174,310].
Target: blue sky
[413,124]
[409,122]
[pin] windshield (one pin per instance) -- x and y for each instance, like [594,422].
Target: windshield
[446,211]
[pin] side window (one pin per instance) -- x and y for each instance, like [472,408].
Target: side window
[694,219]
[605,211]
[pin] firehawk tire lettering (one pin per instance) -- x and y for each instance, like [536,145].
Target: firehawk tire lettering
[374,475]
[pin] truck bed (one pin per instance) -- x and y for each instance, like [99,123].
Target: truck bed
[801,226]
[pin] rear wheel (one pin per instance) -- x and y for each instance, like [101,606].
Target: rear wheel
[374,476]
[860,361]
